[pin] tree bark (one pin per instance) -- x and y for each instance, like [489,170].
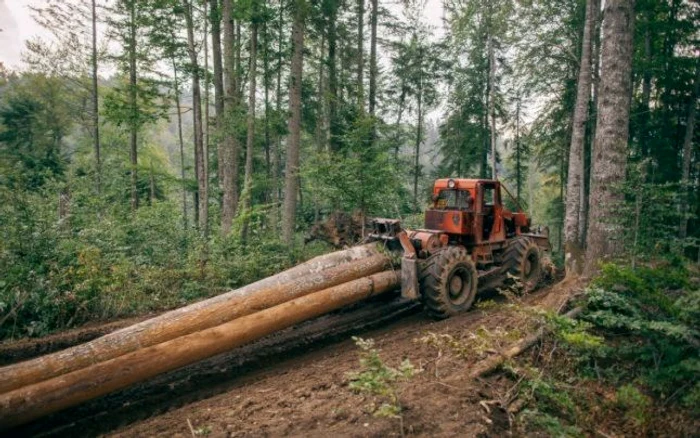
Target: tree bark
[202,174]
[133,103]
[605,236]
[419,132]
[572,245]
[492,103]
[181,142]
[207,85]
[373,70]
[317,274]
[293,142]
[360,55]
[275,159]
[250,140]
[218,79]
[31,402]
[230,141]
[333,98]
[688,152]
[95,101]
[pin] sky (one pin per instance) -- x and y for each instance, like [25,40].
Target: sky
[17,26]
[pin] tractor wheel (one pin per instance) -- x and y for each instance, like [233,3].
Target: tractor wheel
[522,260]
[448,282]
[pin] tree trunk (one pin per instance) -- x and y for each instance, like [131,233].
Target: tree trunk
[483,162]
[321,118]
[492,104]
[317,274]
[687,153]
[202,176]
[572,246]
[333,99]
[518,154]
[266,86]
[133,104]
[360,55]
[215,18]
[605,236]
[291,177]
[56,394]
[230,141]
[402,102]
[207,86]
[373,70]
[95,101]
[250,140]
[275,159]
[588,146]
[419,133]
[176,86]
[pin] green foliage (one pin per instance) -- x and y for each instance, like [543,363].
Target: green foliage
[378,379]
[635,404]
[358,177]
[649,319]
[552,425]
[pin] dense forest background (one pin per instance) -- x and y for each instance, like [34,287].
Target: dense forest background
[153,152]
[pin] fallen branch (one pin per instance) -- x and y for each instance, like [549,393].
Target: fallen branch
[490,364]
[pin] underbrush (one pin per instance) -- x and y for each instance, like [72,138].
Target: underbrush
[628,365]
[115,264]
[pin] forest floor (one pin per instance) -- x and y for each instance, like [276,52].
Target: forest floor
[296,383]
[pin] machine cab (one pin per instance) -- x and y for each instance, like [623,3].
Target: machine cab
[469,210]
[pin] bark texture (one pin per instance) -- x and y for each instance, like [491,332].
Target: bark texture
[218,79]
[28,403]
[133,104]
[314,275]
[199,150]
[95,99]
[291,177]
[250,139]
[229,155]
[373,69]
[605,235]
[572,244]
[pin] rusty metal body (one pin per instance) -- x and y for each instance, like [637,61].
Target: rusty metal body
[468,214]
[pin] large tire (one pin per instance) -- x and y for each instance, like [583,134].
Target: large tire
[448,282]
[522,260]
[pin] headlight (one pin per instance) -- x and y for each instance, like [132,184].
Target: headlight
[451,183]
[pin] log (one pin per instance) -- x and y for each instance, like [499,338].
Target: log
[31,402]
[317,274]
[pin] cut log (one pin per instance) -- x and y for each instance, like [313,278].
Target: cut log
[317,274]
[31,402]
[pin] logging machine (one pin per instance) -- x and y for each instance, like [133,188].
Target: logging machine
[470,239]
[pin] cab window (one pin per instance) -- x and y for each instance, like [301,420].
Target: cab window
[489,194]
[453,199]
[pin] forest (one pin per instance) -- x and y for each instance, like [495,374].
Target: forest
[157,152]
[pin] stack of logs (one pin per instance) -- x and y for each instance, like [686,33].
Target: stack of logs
[38,387]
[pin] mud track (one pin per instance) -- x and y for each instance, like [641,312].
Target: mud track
[275,354]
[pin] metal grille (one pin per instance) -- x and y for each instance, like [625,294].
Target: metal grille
[434,219]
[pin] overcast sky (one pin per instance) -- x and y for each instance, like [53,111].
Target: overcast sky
[17,26]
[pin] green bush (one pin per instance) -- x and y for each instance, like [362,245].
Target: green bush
[649,318]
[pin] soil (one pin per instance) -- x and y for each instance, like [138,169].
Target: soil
[295,382]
